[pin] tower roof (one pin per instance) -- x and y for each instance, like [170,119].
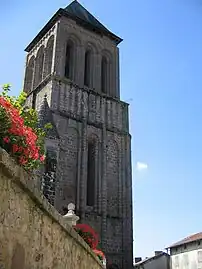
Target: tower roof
[78,13]
[77,10]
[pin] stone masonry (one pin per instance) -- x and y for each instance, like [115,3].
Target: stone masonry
[90,142]
[33,235]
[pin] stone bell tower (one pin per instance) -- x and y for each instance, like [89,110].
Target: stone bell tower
[72,79]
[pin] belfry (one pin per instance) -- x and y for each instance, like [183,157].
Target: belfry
[72,80]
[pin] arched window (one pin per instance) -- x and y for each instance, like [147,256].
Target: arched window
[48,56]
[87,68]
[39,67]
[69,61]
[104,76]
[91,173]
[29,75]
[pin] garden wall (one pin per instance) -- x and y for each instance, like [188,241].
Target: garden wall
[32,233]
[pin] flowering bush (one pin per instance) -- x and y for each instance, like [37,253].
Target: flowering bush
[100,255]
[88,234]
[91,238]
[19,132]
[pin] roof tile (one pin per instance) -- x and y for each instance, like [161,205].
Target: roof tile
[189,239]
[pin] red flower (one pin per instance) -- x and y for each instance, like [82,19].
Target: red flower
[42,158]
[26,152]
[4,102]
[99,253]
[20,149]
[88,234]
[6,139]
[26,140]
[15,148]
[22,160]
[35,155]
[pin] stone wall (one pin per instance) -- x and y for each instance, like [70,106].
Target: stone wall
[107,125]
[32,233]
[80,103]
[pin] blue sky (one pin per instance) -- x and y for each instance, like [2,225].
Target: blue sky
[161,67]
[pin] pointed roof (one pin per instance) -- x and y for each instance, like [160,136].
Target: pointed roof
[82,16]
[77,10]
[45,116]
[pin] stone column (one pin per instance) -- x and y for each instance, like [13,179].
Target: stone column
[117,84]
[120,199]
[83,178]
[56,36]
[124,199]
[126,118]
[111,77]
[99,180]
[26,70]
[78,191]
[93,70]
[97,73]
[80,63]
[59,52]
[104,184]
[128,224]
[44,72]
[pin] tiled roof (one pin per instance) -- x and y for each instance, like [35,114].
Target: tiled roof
[151,258]
[189,239]
[78,12]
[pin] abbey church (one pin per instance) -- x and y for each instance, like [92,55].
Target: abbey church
[72,80]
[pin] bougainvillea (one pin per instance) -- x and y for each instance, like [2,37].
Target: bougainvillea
[88,234]
[100,254]
[91,238]
[19,132]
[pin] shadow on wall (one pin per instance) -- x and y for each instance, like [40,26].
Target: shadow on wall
[18,260]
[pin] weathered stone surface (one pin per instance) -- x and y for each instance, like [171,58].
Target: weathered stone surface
[18,260]
[32,233]
[81,115]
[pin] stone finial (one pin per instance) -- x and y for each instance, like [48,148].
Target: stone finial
[71,208]
[71,217]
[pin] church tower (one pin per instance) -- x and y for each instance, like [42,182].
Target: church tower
[72,79]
